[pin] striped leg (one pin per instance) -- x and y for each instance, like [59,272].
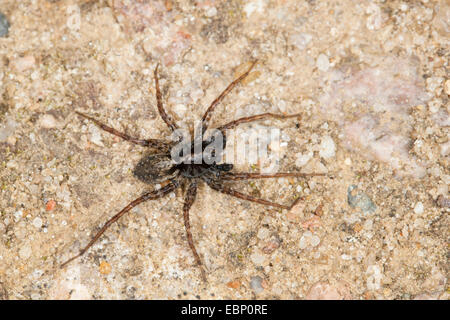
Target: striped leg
[151,143]
[189,200]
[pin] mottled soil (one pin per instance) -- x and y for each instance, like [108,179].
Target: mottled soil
[369,78]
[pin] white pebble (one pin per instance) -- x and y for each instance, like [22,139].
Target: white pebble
[418,209]
[434,105]
[315,240]
[447,87]
[373,281]
[303,159]
[7,129]
[304,241]
[322,62]
[327,148]
[47,121]
[254,6]
[300,40]
[18,214]
[257,259]
[263,233]
[445,148]
[37,222]
[211,12]
[96,136]
[25,252]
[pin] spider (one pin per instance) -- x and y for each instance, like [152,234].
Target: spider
[157,167]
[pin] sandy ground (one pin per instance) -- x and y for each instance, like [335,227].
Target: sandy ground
[370,79]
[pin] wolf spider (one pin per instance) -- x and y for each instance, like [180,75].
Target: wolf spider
[158,168]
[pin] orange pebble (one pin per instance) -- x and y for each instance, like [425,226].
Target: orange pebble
[234,284]
[357,227]
[104,268]
[50,205]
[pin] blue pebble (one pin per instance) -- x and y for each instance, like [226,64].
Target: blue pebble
[360,200]
[4,25]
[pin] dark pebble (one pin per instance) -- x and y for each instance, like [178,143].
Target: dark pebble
[4,25]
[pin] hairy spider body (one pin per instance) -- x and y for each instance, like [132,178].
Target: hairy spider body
[158,167]
[155,168]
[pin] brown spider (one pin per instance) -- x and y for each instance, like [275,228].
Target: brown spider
[157,167]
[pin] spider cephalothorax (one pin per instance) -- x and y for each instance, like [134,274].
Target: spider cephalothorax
[158,166]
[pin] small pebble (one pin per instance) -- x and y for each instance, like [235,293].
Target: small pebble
[303,159]
[304,241]
[47,121]
[37,222]
[256,284]
[211,12]
[445,148]
[373,281]
[327,291]
[24,63]
[322,62]
[25,252]
[403,7]
[18,214]
[104,268]
[234,284]
[4,25]
[447,87]
[315,240]
[50,205]
[96,136]
[360,200]
[418,208]
[443,202]
[271,246]
[257,258]
[434,105]
[327,148]
[263,233]
[7,129]
[300,40]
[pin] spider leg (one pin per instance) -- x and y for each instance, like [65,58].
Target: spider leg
[247,175]
[226,190]
[207,116]
[257,117]
[167,118]
[189,200]
[152,143]
[147,196]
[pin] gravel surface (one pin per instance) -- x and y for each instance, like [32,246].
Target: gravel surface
[370,80]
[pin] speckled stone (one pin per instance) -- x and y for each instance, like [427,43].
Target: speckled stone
[369,92]
[256,284]
[360,200]
[4,25]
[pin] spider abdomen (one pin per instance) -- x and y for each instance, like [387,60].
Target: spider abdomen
[155,168]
